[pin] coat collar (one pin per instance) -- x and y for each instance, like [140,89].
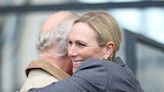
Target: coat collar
[119,61]
[49,68]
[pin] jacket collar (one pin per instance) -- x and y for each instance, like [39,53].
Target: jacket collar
[119,61]
[49,68]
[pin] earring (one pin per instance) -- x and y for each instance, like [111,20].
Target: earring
[105,58]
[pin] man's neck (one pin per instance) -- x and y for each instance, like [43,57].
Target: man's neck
[56,61]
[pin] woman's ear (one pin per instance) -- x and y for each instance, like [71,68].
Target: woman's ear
[110,46]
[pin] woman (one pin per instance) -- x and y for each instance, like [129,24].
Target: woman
[97,35]
[93,42]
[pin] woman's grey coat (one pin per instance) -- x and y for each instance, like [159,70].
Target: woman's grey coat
[97,76]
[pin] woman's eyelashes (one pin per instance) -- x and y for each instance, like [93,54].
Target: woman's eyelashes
[69,43]
[81,44]
[78,43]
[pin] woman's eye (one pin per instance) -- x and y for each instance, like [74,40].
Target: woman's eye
[69,43]
[81,44]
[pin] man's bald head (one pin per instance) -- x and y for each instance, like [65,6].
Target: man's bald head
[55,31]
[56,19]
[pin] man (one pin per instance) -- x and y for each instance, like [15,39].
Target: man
[53,63]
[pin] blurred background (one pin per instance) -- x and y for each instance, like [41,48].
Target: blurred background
[141,22]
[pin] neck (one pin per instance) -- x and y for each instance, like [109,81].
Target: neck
[63,63]
[56,61]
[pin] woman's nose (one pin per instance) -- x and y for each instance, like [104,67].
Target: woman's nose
[72,51]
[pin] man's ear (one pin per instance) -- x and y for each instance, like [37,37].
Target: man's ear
[110,46]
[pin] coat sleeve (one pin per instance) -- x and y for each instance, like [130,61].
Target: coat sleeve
[91,77]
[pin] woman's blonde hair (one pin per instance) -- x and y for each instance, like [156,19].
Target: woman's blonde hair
[106,27]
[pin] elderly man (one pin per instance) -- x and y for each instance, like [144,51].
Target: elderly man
[53,63]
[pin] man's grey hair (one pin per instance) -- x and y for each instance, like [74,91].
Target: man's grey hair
[58,37]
